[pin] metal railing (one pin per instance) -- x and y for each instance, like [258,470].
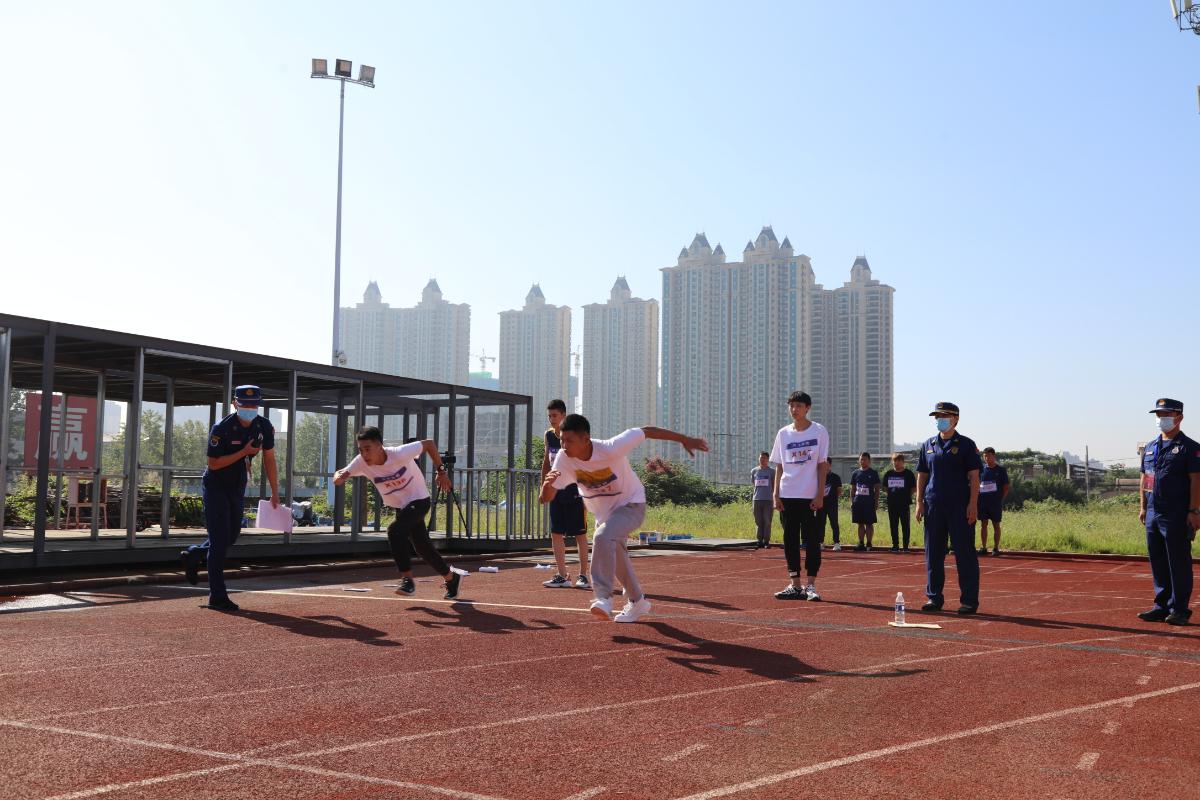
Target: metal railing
[496,504]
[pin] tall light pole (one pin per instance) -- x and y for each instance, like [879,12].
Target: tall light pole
[342,70]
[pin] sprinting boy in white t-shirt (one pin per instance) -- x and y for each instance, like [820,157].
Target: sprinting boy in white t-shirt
[395,473]
[612,492]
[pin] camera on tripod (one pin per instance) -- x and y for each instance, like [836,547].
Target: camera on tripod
[448,459]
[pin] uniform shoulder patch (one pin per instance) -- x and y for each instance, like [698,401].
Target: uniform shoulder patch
[214,441]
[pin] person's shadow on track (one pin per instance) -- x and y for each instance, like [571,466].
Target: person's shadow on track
[716,605]
[1149,629]
[465,615]
[705,656]
[322,627]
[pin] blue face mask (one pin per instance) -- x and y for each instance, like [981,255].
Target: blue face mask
[944,423]
[247,414]
[1165,424]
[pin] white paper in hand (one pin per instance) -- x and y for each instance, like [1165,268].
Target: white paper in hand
[274,519]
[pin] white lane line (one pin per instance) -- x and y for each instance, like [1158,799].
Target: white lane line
[1087,761]
[685,752]
[240,761]
[1143,680]
[1111,726]
[259,750]
[408,713]
[1154,662]
[820,694]
[983,730]
[587,793]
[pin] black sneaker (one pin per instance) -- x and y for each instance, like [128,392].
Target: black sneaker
[191,569]
[860,548]
[931,606]
[1154,615]
[559,581]
[967,610]
[995,551]
[1178,618]
[224,604]
[452,585]
[407,586]
[895,549]
[791,593]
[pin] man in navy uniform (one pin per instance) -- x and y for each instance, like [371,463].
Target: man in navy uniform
[1170,508]
[947,499]
[232,444]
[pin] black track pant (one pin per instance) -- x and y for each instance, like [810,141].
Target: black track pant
[897,518]
[800,525]
[408,532]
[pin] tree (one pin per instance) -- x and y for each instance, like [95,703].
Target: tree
[310,435]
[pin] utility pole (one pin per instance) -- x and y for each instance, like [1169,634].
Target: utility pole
[1087,476]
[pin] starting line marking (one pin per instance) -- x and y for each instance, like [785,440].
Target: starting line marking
[685,752]
[587,793]
[1087,761]
[982,730]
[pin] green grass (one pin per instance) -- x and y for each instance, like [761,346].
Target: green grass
[1106,526]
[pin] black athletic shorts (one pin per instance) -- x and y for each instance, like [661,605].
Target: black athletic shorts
[567,514]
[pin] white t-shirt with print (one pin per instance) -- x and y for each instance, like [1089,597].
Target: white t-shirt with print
[398,479]
[606,481]
[800,453]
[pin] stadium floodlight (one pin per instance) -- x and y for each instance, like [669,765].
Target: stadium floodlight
[366,77]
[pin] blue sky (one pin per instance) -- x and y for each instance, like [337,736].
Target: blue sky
[1023,174]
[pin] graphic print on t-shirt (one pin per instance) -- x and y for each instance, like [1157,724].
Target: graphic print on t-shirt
[390,484]
[597,484]
[800,452]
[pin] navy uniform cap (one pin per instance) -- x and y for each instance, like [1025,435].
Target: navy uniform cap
[1167,404]
[247,395]
[944,408]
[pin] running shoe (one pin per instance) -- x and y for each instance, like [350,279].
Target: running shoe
[791,593]
[557,582]
[601,608]
[632,612]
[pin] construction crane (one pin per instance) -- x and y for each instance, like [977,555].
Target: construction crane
[483,359]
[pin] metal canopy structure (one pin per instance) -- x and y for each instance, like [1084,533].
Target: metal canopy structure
[56,358]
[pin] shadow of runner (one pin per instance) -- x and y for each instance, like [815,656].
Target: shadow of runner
[1144,628]
[716,605]
[320,627]
[704,655]
[465,615]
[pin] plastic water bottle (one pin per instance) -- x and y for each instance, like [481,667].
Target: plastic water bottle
[899,608]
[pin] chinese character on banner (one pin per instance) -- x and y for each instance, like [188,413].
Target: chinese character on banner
[72,430]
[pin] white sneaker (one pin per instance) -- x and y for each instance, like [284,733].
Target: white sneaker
[602,609]
[837,547]
[811,593]
[632,612]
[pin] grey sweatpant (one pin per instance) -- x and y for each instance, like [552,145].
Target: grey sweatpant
[764,510]
[610,554]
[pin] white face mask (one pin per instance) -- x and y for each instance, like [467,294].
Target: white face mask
[1166,424]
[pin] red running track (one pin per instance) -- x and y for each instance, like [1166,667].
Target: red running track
[1055,689]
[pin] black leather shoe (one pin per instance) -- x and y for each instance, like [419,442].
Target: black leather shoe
[190,568]
[1177,618]
[931,606]
[1154,615]
[452,586]
[966,610]
[223,605]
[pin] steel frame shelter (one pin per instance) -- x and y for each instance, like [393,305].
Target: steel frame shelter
[59,358]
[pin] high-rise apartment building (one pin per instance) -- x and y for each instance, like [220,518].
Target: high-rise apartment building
[429,341]
[738,337]
[435,338]
[535,351]
[620,362]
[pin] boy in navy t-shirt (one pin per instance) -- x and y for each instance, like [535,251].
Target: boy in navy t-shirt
[864,499]
[829,509]
[993,488]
